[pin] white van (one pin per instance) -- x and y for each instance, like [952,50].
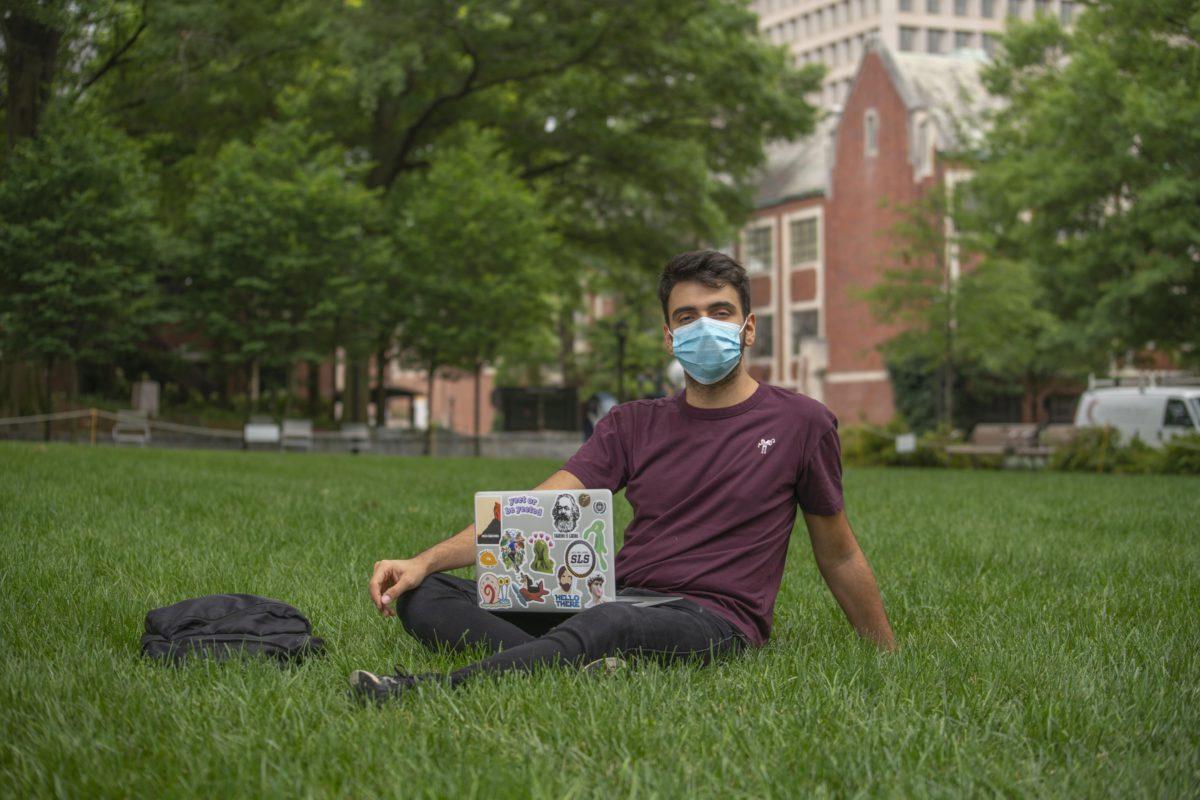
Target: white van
[1155,414]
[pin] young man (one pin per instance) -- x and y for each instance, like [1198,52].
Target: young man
[714,475]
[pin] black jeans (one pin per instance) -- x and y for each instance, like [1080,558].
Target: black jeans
[444,612]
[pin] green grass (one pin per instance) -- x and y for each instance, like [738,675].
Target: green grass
[1048,625]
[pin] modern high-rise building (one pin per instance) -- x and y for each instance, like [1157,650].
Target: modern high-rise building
[835,32]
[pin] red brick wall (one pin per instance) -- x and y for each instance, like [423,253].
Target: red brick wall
[804,285]
[855,403]
[760,290]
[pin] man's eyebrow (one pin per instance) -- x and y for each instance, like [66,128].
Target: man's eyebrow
[720,304]
[682,309]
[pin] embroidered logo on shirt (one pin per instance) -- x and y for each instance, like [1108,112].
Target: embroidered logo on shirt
[764,445]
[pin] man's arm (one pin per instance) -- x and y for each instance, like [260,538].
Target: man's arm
[393,577]
[846,571]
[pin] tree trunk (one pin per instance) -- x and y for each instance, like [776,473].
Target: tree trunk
[49,373]
[72,393]
[429,442]
[30,57]
[381,386]
[314,389]
[478,402]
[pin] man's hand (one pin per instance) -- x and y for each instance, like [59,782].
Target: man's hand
[392,578]
[849,577]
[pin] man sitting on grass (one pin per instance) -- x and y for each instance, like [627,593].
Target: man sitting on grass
[714,475]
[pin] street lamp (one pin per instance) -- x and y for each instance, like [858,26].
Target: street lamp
[620,328]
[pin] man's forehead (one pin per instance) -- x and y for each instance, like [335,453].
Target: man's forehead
[699,295]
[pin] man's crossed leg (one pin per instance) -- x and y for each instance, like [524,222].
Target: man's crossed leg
[443,611]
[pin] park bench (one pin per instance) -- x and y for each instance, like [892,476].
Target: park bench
[131,427]
[297,434]
[995,439]
[357,436]
[260,431]
[1049,439]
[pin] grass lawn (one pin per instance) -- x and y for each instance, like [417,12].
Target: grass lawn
[1049,630]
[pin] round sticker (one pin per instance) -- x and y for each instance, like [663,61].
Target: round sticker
[580,558]
[489,588]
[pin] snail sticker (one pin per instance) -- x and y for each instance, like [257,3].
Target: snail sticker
[493,591]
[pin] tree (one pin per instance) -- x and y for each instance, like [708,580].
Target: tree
[281,241]
[78,247]
[1090,175]
[477,247]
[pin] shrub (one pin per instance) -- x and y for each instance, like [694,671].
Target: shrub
[1100,450]
[1181,455]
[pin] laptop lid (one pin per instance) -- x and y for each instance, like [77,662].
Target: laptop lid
[544,550]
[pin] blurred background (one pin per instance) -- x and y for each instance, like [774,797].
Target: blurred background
[972,226]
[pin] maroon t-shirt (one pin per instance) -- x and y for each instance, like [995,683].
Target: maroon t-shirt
[714,493]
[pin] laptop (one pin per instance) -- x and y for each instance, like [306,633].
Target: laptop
[547,551]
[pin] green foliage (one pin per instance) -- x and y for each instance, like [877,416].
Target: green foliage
[870,446]
[1089,173]
[1181,456]
[280,246]
[477,249]
[78,244]
[1100,450]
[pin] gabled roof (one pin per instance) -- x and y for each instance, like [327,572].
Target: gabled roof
[946,87]
[796,169]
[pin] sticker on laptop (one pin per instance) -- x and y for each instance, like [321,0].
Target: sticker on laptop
[541,562]
[523,505]
[595,587]
[493,591]
[595,536]
[580,559]
[531,592]
[488,559]
[512,549]
[565,596]
[565,514]
[585,499]
[490,534]
[599,506]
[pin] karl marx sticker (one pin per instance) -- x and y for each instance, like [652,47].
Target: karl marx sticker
[565,514]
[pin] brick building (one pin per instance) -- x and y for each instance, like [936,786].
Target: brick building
[825,211]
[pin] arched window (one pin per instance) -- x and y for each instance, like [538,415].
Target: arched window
[871,133]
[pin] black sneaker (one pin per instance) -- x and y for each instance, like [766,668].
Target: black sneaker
[379,688]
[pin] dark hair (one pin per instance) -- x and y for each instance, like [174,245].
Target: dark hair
[712,268]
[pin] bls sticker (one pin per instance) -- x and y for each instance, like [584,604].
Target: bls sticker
[580,558]
[493,591]
[488,559]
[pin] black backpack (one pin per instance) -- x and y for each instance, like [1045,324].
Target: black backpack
[222,625]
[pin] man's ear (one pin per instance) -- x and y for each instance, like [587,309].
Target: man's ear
[751,322]
[668,341]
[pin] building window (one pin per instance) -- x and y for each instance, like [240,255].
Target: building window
[933,6]
[871,133]
[960,8]
[764,335]
[908,39]
[933,40]
[805,325]
[759,251]
[989,43]
[1041,6]
[1067,12]
[987,8]
[1014,8]
[962,40]
[803,234]
[906,5]
[923,141]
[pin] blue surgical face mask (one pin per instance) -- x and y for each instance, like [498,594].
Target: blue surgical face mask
[708,349]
